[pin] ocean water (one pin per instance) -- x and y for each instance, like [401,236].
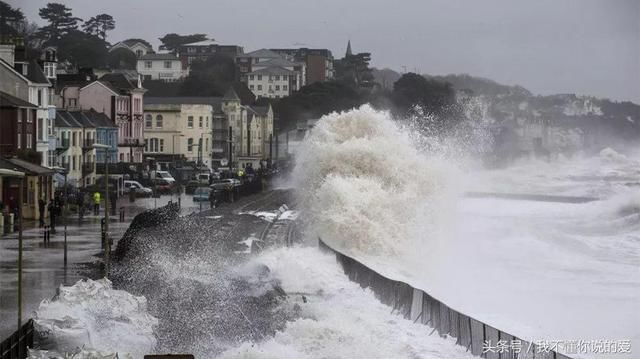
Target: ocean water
[539,270]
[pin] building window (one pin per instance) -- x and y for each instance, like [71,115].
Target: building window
[251,77]
[259,77]
[190,122]
[167,64]
[29,140]
[277,87]
[277,78]
[148,121]
[146,145]
[39,97]
[251,87]
[159,121]
[206,146]
[139,53]
[73,139]
[259,87]
[207,121]
[161,145]
[190,145]
[284,88]
[200,122]
[73,162]
[147,64]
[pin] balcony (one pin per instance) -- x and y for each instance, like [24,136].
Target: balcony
[62,145]
[130,142]
[88,168]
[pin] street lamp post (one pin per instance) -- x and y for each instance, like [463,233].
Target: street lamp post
[64,209]
[107,245]
[20,175]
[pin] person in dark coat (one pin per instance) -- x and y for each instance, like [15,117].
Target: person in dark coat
[41,207]
[53,212]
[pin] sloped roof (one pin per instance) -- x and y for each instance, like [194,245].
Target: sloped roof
[150,57]
[66,119]
[35,74]
[261,110]
[231,95]
[118,81]
[275,62]
[274,70]
[215,102]
[7,100]
[26,167]
[262,53]
[201,43]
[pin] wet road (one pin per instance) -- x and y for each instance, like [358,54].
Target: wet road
[43,265]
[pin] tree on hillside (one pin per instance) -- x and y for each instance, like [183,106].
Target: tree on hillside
[99,25]
[172,41]
[211,77]
[315,100]
[60,21]
[354,70]
[413,94]
[122,59]
[9,16]
[82,49]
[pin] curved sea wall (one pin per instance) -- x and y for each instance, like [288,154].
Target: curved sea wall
[479,338]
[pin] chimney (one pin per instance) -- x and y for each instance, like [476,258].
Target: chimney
[7,53]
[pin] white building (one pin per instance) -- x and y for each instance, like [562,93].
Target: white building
[269,74]
[137,47]
[272,82]
[166,67]
[178,128]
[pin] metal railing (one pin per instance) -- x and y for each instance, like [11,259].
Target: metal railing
[479,338]
[16,346]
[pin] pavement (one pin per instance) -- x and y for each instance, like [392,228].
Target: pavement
[43,264]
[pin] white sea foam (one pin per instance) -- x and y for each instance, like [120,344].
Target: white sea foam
[369,189]
[92,314]
[339,319]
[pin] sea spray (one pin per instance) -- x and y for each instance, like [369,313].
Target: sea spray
[370,188]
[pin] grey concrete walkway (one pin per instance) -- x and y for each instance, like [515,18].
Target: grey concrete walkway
[43,265]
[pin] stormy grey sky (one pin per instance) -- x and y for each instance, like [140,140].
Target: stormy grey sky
[589,47]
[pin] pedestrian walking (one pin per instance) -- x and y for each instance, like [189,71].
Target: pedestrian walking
[42,205]
[96,203]
[53,212]
[212,199]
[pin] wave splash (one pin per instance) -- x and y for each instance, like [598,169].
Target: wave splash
[371,188]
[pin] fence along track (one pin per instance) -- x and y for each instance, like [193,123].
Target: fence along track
[16,346]
[418,306]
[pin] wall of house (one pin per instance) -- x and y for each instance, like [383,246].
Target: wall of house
[271,86]
[158,71]
[13,84]
[95,96]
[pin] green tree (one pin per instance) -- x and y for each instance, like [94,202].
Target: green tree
[171,42]
[354,70]
[60,21]
[10,20]
[211,77]
[413,94]
[82,49]
[99,25]
[122,59]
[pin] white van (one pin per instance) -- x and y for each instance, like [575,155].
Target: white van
[135,186]
[165,176]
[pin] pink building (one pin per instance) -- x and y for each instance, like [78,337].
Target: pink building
[121,100]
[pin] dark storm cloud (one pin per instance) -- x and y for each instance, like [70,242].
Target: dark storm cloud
[549,46]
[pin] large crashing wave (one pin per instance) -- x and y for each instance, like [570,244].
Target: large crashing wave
[370,189]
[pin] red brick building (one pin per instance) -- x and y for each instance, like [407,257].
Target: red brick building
[17,126]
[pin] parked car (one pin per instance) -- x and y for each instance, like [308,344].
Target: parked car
[203,178]
[139,189]
[162,186]
[191,186]
[165,176]
[225,184]
[201,194]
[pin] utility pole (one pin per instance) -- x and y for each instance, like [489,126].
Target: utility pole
[107,245]
[230,146]
[20,253]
